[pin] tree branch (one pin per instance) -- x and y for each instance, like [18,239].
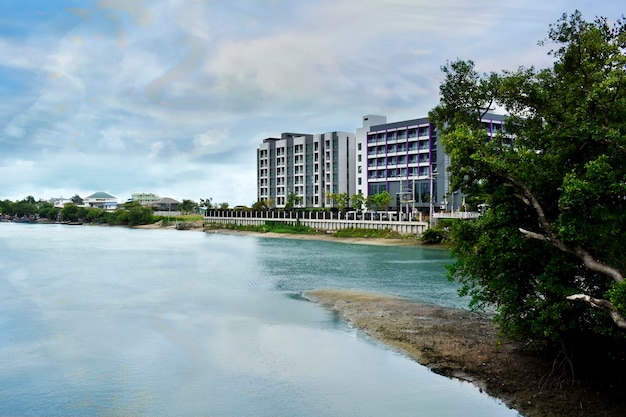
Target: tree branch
[529,198]
[585,256]
[603,305]
[550,237]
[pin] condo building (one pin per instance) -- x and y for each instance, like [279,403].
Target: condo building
[403,158]
[145,199]
[312,166]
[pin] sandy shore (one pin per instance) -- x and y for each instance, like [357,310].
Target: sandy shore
[198,226]
[324,237]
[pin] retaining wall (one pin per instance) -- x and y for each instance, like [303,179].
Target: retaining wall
[317,220]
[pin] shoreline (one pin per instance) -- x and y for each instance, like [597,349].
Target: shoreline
[466,345]
[322,237]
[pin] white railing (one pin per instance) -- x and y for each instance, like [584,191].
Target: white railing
[456,215]
[327,221]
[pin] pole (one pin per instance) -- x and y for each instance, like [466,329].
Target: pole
[432,207]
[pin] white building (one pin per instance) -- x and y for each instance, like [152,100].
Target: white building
[59,202]
[146,199]
[101,200]
[310,165]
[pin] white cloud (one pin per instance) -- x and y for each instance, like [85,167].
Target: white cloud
[212,142]
[173,96]
[156,149]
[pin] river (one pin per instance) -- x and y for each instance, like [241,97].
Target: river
[110,321]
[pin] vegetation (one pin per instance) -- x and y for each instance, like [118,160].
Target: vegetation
[378,201]
[357,202]
[293,200]
[440,233]
[188,206]
[548,252]
[370,233]
[274,227]
[341,201]
[265,204]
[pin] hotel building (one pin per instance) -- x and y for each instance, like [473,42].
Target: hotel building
[406,159]
[310,165]
[403,158]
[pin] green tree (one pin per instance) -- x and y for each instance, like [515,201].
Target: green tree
[69,212]
[206,202]
[137,215]
[223,206]
[265,204]
[555,227]
[47,211]
[77,200]
[6,207]
[24,207]
[341,201]
[357,201]
[188,206]
[293,200]
[379,201]
[94,215]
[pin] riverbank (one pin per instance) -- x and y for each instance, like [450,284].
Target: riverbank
[465,345]
[461,344]
[198,226]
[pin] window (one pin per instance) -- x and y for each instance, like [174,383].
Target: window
[359,146]
[358,158]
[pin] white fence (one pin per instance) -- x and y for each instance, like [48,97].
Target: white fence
[456,215]
[319,220]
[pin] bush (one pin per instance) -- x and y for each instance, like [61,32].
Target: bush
[432,236]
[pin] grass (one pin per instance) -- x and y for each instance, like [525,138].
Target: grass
[278,227]
[370,233]
[274,227]
[184,218]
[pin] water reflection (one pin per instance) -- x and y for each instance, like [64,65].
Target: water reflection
[112,321]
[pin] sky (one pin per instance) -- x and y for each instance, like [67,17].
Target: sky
[173,97]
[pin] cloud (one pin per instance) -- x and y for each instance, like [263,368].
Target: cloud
[174,96]
[140,14]
[212,142]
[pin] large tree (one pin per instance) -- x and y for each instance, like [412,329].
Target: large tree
[555,184]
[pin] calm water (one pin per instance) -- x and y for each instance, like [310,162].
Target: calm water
[113,321]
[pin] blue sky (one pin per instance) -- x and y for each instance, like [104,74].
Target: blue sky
[174,96]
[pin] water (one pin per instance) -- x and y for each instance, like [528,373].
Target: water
[112,321]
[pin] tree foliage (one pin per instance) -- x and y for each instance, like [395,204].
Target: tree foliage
[341,201]
[264,204]
[293,200]
[378,201]
[78,200]
[188,206]
[357,201]
[555,228]
[207,202]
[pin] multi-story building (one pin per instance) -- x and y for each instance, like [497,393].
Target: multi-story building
[146,199]
[406,159]
[312,166]
[361,150]
[403,158]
